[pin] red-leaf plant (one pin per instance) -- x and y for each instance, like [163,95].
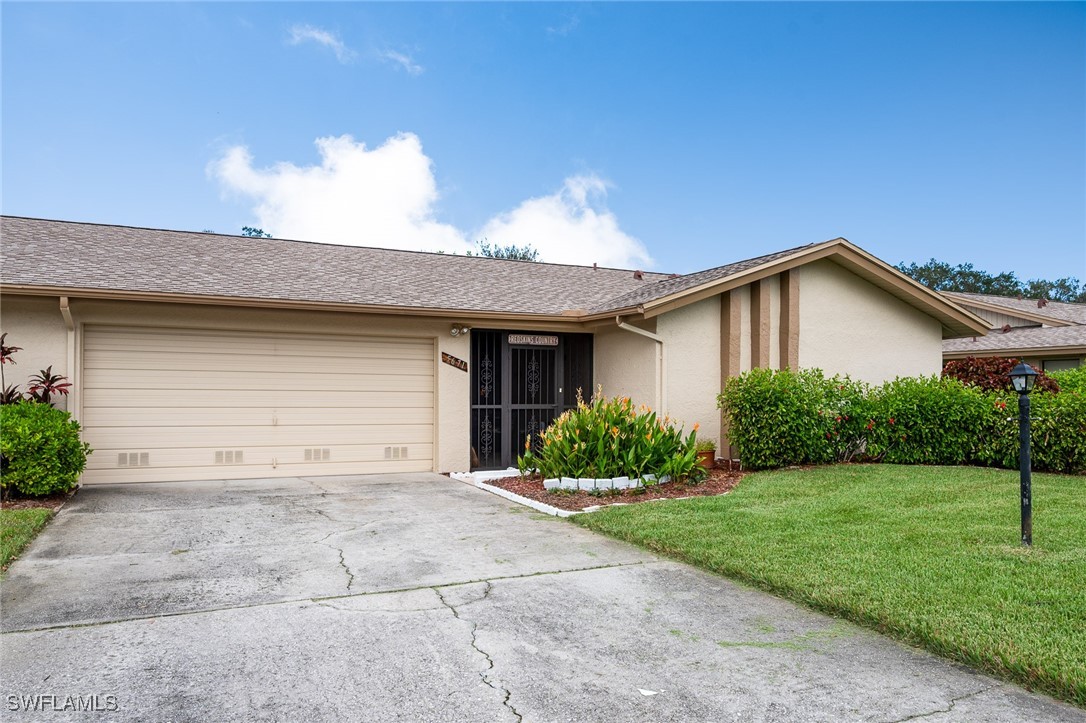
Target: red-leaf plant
[45,384]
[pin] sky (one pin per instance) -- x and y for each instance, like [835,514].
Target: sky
[672,137]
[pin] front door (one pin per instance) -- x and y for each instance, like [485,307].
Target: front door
[520,383]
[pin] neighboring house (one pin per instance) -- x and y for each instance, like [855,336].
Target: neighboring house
[1050,335]
[200,356]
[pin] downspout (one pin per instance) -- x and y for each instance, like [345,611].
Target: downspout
[69,324]
[661,362]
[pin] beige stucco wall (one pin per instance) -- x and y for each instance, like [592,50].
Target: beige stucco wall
[35,324]
[624,364]
[692,351]
[849,326]
[32,325]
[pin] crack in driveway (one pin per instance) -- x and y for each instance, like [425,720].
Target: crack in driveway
[952,702]
[485,675]
[342,558]
[315,598]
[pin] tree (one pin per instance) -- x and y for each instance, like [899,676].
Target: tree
[513,252]
[966,278]
[254,232]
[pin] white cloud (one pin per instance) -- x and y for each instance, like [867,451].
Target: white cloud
[382,197]
[309,33]
[404,61]
[572,226]
[566,27]
[386,197]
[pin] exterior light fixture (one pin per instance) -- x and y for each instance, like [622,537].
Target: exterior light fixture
[459,330]
[1023,377]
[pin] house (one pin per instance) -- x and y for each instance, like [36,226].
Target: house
[1050,335]
[201,356]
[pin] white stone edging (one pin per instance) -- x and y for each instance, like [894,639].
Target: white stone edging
[528,502]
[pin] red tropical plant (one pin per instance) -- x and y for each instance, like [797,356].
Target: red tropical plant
[45,384]
[993,373]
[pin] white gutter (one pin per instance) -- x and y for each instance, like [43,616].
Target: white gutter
[69,324]
[661,362]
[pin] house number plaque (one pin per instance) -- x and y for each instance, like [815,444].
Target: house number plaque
[454,362]
[534,339]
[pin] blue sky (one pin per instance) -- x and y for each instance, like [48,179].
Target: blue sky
[666,136]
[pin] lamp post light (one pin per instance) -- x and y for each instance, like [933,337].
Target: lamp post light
[1023,377]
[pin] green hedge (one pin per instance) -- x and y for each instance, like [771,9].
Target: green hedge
[1071,380]
[780,418]
[40,449]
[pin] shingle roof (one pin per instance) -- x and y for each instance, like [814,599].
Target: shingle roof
[71,255]
[1018,339]
[674,285]
[1075,313]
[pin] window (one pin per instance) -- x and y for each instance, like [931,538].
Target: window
[1057,365]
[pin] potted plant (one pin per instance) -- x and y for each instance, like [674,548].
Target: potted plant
[706,449]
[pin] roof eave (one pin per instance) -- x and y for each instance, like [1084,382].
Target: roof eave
[956,322]
[565,320]
[1070,350]
[1010,311]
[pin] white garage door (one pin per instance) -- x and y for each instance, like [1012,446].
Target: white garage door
[170,404]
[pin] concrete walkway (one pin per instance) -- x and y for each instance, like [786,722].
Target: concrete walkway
[419,598]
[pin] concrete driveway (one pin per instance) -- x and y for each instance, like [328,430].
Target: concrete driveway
[420,598]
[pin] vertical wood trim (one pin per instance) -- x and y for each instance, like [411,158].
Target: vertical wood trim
[789,327]
[731,332]
[731,338]
[759,324]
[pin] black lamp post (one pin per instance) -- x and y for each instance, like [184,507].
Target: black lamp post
[1023,377]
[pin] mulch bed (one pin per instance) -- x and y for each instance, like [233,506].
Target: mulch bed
[50,502]
[718,482]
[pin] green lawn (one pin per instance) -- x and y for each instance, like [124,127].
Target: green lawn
[17,529]
[929,555]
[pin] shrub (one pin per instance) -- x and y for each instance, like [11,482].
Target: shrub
[608,438]
[1057,432]
[992,374]
[40,449]
[926,420]
[778,418]
[1071,380]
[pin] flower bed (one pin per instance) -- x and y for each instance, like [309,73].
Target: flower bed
[719,481]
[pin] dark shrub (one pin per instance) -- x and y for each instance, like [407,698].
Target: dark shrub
[992,374]
[40,449]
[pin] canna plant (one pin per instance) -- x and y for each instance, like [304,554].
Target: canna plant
[609,438]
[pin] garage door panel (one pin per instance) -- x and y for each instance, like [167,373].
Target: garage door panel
[242,364]
[162,404]
[267,382]
[107,459]
[120,342]
[231,398]
[228,437]
[165,474]
[251,416]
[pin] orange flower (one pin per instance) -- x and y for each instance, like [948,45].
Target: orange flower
[696,426]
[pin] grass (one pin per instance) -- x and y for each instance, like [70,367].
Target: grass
[17,529]
[928,555]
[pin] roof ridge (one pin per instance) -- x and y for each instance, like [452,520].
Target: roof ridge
[663,274]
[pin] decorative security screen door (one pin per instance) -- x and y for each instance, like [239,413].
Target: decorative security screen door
[534,392]
[520,383]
